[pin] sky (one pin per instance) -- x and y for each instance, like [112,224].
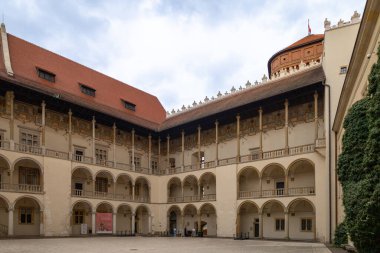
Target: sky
[177,50]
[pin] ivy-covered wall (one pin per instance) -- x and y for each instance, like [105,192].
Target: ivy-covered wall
[359,168]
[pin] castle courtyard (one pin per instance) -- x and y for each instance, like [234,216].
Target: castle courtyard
[155,244]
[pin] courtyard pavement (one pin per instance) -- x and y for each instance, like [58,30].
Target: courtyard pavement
[155,244]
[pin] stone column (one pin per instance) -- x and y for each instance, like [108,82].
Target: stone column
[9,96]
[286,225]
[150,153]
[238,138]
[10,221]
[183,224]
[261,129]
[199,147]
[261,186]
[168,223]
[237,225]
[183,150]
[114,217]
[199,222]
[150,224]
[261,224]
[133,223]
[286,184]
[114,144]
[93,222]
[316,115]
[159,155]
[167,154]
[286,104]
[42,229]
[43,115]
[93,140]
[133,192]
[216,142]
[70,135]
[133,151]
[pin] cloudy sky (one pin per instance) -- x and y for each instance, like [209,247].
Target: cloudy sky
[179,50]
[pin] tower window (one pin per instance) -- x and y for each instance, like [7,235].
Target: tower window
[87,90]
[343,70]
[46,75]
[128,105]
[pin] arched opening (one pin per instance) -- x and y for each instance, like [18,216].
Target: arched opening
[27,176]
[81,182]
[123,189]
[124,220]
[249,220]
[301,220]
[301,178]
[142,222]
[273,181]
[249,183]
[81,218]
[27,217]
[142,190]
[208,220]
[3,217]
[273,220]
[5,175]
[190,218]
[104,218]
[174,220]
[174,190]
[104,185]
[190,189]
[207,187]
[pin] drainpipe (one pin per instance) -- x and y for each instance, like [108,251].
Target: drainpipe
[329,128]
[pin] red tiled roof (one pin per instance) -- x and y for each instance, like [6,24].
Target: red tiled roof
[305,40]
[25,57]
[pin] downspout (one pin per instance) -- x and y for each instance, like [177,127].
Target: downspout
[329,128]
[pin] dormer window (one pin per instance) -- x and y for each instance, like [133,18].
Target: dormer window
[128,105]
[46,75]
[87,90]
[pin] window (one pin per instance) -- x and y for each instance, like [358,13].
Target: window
[343,70]
[101,155]
[46,75]
[25,215]
[154,165]
[2,144]
[306,224]
[87,90]
[29,138]
[128,105]
[29,176]
[137,161]
[172,163]
[78,154]
[78,217]
[101,184]
[280,224]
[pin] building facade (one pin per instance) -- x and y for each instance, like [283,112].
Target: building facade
[82,153]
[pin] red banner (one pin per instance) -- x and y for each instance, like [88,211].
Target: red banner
[104,223]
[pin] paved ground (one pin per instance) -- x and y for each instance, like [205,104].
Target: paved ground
[149,244]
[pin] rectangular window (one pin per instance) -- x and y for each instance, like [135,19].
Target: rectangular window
[25,215]
[2,139]
[172,163]
[280,224]
[101,184]
[78,217]
[343,70]
[46,75]
[29,138]
[101,155]
[87,90]
[306,224]
[137,161]
[29,176]
[78,154]
[154,165]
[129,105]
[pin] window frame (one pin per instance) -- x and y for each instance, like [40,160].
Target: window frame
[281,225]
[308,221]
[87,90]
[46,75]
[26,219]
[79,214]
[128,105]
[35,140]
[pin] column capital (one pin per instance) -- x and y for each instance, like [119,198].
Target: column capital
[183,132]
[216,122]
[149,136]
[93,119]
[11,209]
[286,103]
[199,127]
[168,137]
[133,131]
[315,94]
[43,104]
[260,109]
[114,125]
[238,116]
[70,112]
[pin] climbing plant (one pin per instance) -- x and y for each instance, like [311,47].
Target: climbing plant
[359,167]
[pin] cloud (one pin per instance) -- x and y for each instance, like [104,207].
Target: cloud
[179,51]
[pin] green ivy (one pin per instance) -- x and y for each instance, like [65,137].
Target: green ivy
[359,168]
[340,237]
